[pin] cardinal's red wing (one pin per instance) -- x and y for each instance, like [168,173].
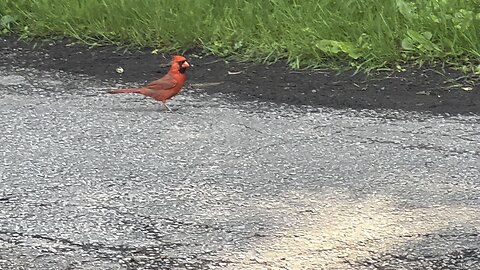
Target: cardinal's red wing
[165,83]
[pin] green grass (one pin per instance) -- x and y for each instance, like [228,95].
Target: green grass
[308,33]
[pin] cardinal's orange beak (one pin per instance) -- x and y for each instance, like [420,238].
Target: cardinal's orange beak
[185,64]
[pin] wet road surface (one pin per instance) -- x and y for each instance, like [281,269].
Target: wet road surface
[93,181]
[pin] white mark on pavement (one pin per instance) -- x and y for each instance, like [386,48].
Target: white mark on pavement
[12,80]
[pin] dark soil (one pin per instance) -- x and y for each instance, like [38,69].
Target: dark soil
[417,89]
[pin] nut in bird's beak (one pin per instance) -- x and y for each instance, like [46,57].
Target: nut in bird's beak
[185,64]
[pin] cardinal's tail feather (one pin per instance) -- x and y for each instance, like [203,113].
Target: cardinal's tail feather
[126,90]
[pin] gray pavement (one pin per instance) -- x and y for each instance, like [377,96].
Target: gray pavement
[96,181]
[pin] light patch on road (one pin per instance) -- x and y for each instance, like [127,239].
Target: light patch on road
[342,232]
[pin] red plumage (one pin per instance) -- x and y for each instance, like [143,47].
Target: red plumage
[166,87]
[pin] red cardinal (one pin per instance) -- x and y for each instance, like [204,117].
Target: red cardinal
[166,87]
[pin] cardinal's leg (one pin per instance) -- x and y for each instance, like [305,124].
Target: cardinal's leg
[166,106]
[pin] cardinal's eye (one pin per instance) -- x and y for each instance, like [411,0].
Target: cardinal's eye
[180,63]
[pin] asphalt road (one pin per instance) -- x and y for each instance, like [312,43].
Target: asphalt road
[93,181]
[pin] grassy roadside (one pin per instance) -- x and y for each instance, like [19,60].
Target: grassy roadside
[308,33]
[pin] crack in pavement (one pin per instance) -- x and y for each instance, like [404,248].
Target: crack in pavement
[150,226]
[67,242]
[133,257]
